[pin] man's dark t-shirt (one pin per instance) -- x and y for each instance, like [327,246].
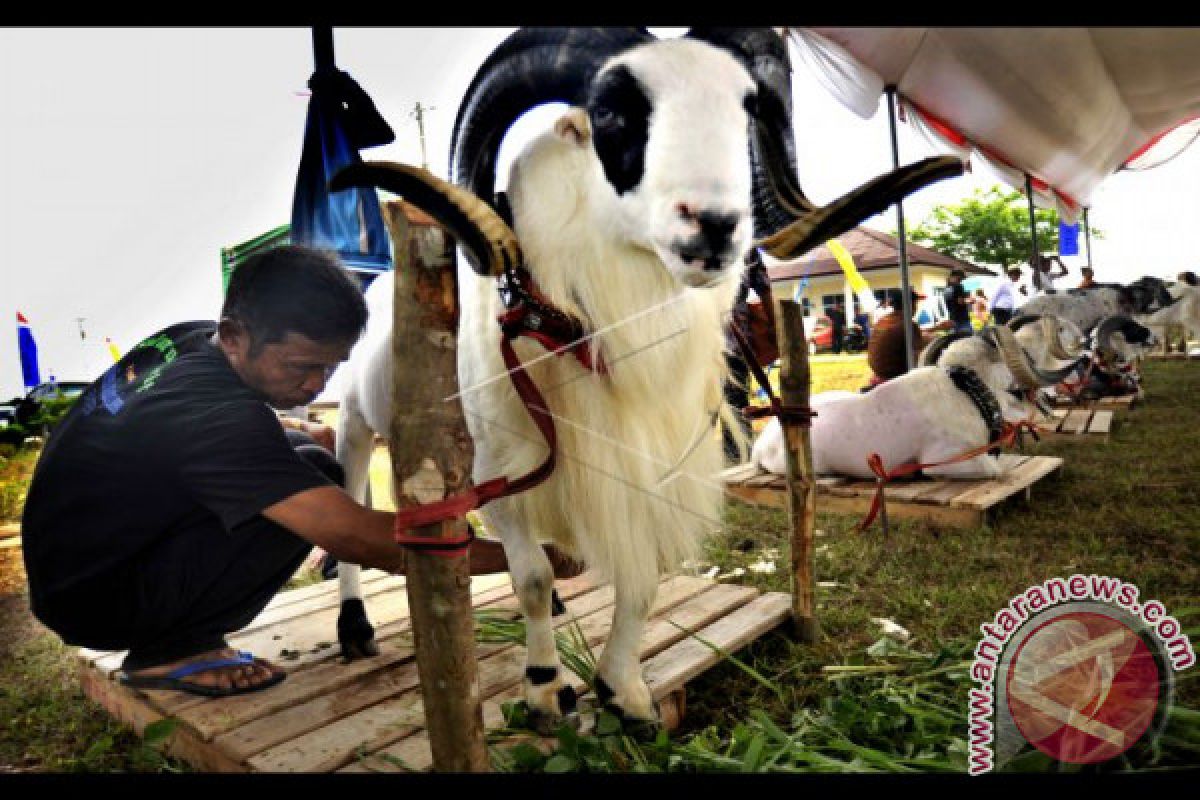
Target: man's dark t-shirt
[837,318]
[168,439]
[960,313]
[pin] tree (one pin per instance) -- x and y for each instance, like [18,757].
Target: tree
[990,227]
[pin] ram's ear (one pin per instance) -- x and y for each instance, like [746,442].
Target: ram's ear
[574,126]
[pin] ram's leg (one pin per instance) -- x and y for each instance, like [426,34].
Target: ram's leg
[548,697]
[982,467]
[354,444]
[619,682]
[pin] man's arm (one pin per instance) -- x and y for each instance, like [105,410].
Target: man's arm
[327,517]
[330,519]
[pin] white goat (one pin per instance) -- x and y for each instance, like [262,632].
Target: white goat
[1086,307]
[1184,311]
[921,416]
[631,216]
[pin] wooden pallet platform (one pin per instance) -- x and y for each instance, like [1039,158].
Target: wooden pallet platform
[1085,424]
[1123,403]
[956,503]
[367,715]
[1172,356]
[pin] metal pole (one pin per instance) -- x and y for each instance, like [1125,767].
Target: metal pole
[323,47]
[1087,232]
[905,293]
[1034,260]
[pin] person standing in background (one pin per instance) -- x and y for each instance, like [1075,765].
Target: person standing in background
[1043,278]
[1004,297]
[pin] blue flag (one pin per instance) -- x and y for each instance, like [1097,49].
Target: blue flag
[1068,239]
[28,349]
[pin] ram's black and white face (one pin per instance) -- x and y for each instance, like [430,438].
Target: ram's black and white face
[670,127]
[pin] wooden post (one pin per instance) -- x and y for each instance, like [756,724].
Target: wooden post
[431,458]
[794,389]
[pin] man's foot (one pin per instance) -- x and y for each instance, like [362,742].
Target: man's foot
[247,674]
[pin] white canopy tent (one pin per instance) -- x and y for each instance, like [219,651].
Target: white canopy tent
[1066,106]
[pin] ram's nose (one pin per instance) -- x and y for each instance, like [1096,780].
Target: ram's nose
[712,241]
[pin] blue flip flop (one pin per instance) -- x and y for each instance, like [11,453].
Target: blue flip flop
[175,678]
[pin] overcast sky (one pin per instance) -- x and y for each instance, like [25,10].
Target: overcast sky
[132,156]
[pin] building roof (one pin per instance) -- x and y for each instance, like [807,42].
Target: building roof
[871,250]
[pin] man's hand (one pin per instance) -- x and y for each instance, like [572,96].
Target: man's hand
[321,434]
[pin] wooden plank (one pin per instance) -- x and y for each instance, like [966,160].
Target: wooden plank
[334,703]
[1101,423]
[274,614]
[334,745]
[367,578]
[294,689]
[661,633]
[498,598]
[765,479]
[1076,421]
[132,709]
[952,489]
[738,474]
[210,717]
[1009,484]
[674,667]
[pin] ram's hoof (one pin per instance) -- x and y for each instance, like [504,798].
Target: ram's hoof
[637,727]
[355,632]
[547,724]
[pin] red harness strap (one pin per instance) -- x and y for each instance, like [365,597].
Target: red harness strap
[1006,439]
[513,325]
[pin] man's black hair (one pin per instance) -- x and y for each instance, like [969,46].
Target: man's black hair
[293,288]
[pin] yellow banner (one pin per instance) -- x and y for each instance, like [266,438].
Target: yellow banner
[866,298]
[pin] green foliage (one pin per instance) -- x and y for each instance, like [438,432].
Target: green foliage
[990,227]
[49,413]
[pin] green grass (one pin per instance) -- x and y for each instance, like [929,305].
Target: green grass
[16,469]
[1126,509]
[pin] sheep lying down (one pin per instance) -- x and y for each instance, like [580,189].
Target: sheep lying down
[921,416]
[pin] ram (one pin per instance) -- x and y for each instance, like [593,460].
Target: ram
[957,401]
[629,221]
[1086,307]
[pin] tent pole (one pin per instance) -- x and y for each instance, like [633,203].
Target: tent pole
[905,294]
[322,37]
[1087,233]
[1034,259]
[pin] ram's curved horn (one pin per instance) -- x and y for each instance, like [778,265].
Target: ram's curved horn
[531,67]
[1054,343]
[1021,320]
[930,355]
[490,244]
[1103,332]
[777,197]
[1026,373]
[814,227]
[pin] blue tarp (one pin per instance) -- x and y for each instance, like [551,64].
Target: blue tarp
[341,121]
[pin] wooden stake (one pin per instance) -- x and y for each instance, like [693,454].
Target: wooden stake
[794,390]
[431,458]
